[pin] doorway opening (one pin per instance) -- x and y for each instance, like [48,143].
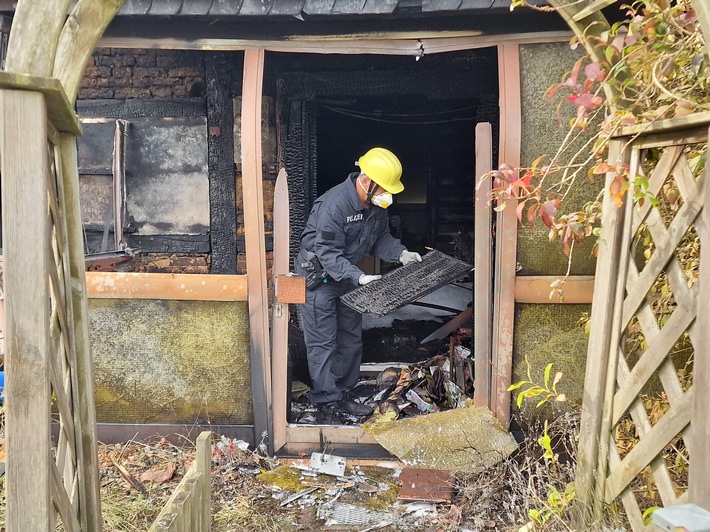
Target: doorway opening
[331,110]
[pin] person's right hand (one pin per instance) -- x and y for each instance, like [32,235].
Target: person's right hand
[364,279]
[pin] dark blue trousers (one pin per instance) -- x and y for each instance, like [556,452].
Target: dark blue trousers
[333,335]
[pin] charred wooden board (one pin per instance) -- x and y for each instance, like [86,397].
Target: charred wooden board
[406,284]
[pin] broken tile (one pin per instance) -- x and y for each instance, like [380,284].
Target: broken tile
[431,485]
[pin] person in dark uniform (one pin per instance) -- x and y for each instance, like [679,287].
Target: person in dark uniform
[346,223]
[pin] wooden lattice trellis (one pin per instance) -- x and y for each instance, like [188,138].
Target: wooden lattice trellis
[653,300]
[48,362]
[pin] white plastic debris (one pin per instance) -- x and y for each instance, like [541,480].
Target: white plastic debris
[463,352]
[421,509]
[328,464]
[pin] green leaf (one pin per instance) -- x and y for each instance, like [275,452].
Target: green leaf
[516,385]
[535,515]
[648,514]
[542,401]
[546,377]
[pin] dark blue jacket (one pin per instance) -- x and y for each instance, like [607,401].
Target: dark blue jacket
[340,231]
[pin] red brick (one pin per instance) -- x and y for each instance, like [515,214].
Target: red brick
[162,92]
[147,60]
[95,94]
[132,92]
[168,61]
[144,72]
[183,72]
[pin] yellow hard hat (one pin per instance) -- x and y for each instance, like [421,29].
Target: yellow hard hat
[383,167]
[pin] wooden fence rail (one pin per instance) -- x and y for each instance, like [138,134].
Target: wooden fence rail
[188,509]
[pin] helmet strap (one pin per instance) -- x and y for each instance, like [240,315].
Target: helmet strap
[371,190]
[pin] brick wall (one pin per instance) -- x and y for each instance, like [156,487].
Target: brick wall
[171,263]
[116,73]
[137,73]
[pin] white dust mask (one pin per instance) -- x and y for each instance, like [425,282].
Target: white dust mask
[382,200]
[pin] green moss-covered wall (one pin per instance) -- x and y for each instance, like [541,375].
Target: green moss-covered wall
[542,65]
[550,334]
[171,361]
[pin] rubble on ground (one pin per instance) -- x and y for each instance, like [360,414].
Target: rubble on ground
[442,382]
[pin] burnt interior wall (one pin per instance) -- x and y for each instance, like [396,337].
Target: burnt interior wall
[332,109]
[162,94]
[165,361]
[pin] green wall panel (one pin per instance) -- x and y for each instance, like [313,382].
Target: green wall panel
[550,334]
[171,361]
[542,65]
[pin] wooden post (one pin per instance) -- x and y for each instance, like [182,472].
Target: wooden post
[204,468]
[483,284]
[599,341]
[506,235]
[220,162]
[253,195]
[25,171]
[88,466]
[280,314]
[80,33]
[699,476]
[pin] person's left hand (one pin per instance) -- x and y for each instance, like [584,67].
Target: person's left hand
[407,257]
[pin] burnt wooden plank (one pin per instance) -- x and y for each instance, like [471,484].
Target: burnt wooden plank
[169,243]
[181,243]
[141,108]
[220,163]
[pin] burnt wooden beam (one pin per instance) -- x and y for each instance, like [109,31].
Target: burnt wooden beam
[169,243]
[141,108]
[268,242]
[220,162]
